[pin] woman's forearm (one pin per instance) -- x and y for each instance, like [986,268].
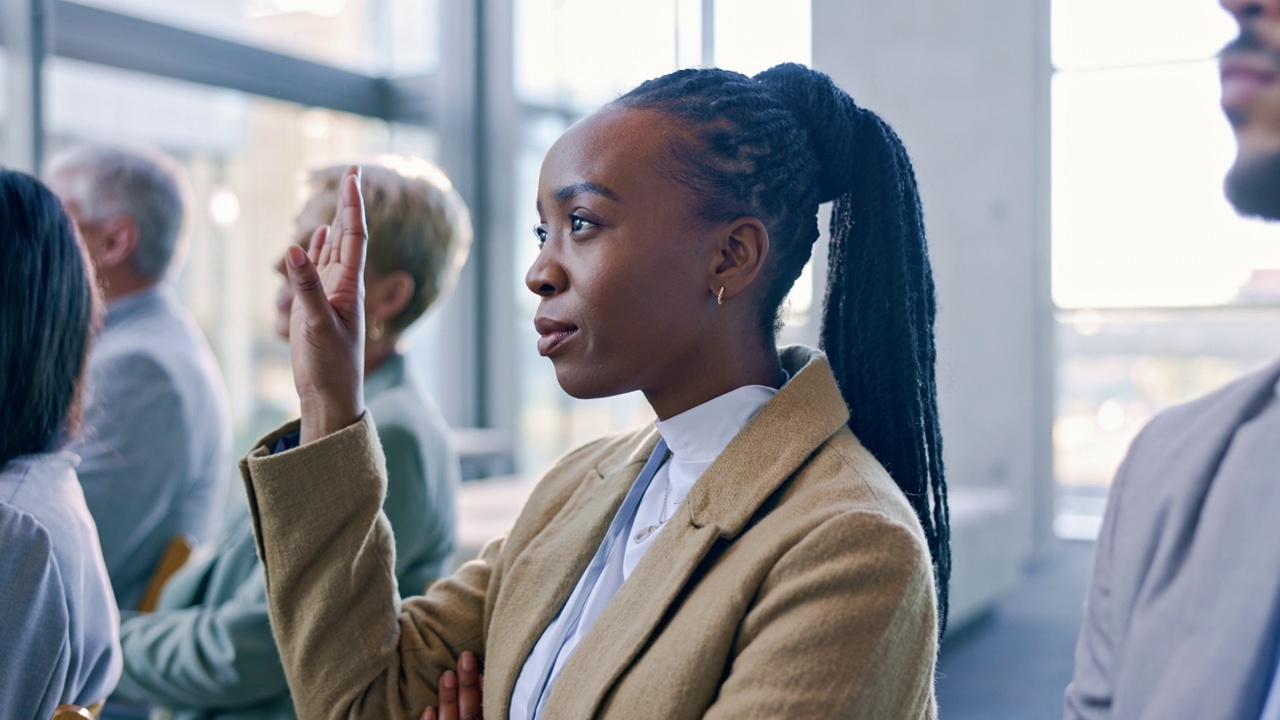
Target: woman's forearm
[349,650]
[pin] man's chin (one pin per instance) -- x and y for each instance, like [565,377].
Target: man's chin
[1253,186]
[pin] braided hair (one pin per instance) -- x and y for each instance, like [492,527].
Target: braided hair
[774,147]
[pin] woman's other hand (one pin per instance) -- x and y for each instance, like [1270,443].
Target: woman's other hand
[326,325]
[461,693]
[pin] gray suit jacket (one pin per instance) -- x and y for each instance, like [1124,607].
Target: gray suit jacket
[1180,619]
[156,448]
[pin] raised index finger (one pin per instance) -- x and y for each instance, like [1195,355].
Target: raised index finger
[354,237]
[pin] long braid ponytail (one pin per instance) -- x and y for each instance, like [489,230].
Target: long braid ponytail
[878,315]
[774,147]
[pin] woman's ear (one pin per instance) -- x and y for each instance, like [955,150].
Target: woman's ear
[386,296]
[740,257]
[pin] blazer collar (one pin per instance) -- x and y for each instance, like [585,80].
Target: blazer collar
[774,444]
[804,414]
[771,448]
[540,580]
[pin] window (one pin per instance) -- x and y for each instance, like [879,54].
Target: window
[569,53]
[246,153]
[5,98]
[246,158]
[382,37]
[1163,292]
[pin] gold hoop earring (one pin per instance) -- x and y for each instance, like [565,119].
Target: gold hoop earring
[720,296]
[375,330]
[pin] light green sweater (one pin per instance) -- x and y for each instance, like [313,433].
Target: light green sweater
[208,651]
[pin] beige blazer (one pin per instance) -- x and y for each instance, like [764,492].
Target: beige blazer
[794,582]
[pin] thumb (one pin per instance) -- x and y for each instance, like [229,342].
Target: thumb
[306,282]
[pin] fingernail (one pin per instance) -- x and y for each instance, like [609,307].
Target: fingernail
[468,662]
[449,680]
[296,255]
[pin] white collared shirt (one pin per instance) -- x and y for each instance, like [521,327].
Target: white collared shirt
[696,438]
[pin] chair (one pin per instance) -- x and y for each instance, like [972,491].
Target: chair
[174,557]
[75,712]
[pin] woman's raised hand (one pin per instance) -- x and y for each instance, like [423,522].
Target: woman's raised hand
[461,694]
[326,326]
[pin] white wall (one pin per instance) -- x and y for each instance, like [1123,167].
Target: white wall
[966,86]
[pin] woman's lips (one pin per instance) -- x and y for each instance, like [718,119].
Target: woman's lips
[549,342]
[552,333]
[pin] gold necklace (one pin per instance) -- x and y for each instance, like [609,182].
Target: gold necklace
[662,516]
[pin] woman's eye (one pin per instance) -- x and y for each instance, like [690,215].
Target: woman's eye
[540,231]
[580,223]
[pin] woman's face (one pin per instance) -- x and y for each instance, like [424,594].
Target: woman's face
[625,267]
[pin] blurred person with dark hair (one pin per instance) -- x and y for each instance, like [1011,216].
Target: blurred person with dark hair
[157,433]
[207,651]
[1183,611]
[58,620]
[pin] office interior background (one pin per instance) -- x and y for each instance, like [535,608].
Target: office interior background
[1070,155]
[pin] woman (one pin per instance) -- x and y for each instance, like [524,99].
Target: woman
[770,567]
[207,650]
[58,617]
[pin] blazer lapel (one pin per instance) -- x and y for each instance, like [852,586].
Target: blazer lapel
[1231,566]
[629,618]
[544,574]
[773,445]
[804,414]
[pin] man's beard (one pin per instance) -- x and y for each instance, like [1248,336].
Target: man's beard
[1253,187]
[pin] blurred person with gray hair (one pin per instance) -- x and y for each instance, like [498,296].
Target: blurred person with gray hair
[208,650]
[156,442]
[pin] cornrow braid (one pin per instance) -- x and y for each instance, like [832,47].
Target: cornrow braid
[774,147]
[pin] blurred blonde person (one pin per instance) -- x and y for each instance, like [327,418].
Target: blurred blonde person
[208,651]
[423,235]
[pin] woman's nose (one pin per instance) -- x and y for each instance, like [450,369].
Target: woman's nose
[546,277]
